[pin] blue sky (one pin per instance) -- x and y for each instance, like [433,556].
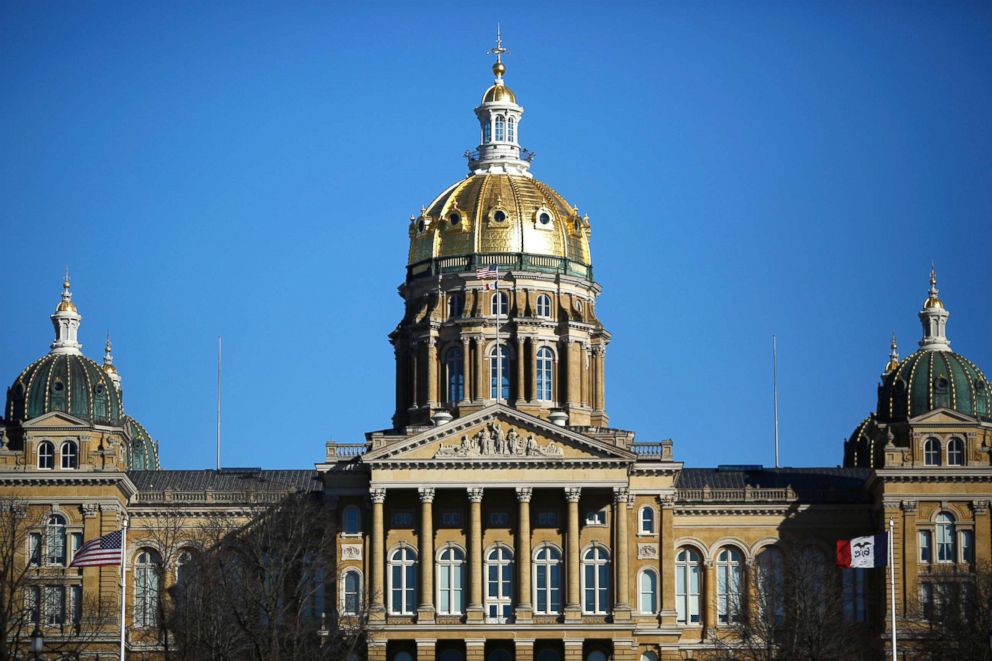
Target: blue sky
[247,170]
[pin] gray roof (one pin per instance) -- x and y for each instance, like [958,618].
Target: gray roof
[251,479]
[847,484]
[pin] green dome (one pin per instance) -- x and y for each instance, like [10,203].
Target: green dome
[142,451]
[66,382]
[928,380]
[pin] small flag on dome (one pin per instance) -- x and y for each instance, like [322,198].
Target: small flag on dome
[487,273]
[106,550]
[866,552]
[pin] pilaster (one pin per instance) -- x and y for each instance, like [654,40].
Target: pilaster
[983,534]
[523,649]
[666,560]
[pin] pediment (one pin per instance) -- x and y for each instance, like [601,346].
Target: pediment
[943,416]
[498,434]
[55,419]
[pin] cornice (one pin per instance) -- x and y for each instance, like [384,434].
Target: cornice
[507,462]
[931,474]
[68,477]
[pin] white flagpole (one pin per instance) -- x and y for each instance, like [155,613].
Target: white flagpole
[499,349]
[892,584]
[123,583]
[218,400]
[775,393]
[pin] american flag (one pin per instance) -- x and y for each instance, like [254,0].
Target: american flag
[106,550]
[487,273]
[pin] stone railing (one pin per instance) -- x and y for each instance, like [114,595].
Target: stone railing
[344,451]
[507,261]
[746,495]
[660,451]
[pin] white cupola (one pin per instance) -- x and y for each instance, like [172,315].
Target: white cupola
[66,320]
[934,316]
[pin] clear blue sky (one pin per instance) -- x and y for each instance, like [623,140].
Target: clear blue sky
[247,170]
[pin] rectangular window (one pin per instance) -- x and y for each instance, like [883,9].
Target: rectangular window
[34,549]
[451,518]
[54,605]
[402,519]
[499,519]
[596,518]
[924,541]
[926,600]
[32,603]
[854,594]
[967,546]
[76,604]
[547,518]
[76,540]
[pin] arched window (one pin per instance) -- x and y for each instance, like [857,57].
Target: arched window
[549,654]
[547,580]
[729,577]
[771,586]
[499,304]
[402,655]
[450,579]
[46,455]
[946,551]
[185,569]
[55,537]
[931,452]
[146,588]
[351,592]
[500,128]
[511,125]
[545,374]
[596,655]
[595,580]
[955,452]
[645,520]
[648,588]
[451,654]
[687,586]
[402,581]
[543,305]
[351,518]
[456,306]
[487,133]
[456,375]
[138,455]
[499,583]
[499,372]
[70,455]
[649,656]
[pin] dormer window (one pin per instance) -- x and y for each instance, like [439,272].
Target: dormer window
[500,128]
[931,452]
[70,455]
[46,455]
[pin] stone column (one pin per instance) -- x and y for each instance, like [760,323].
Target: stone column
[666,560]
[432,380]
[584,397]
[532,361]
[466,370]
[709,596]
[600,390]
[475,611]
[378,587]
[521,369]
[573,610]
[621,600]
[573,373]
[414,377]
[425,611]
[983,534]
[525,609]
[481,388]
[911,567]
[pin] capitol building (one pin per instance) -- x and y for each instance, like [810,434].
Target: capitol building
[501,514]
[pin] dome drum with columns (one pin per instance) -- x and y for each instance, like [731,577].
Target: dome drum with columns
[499,220]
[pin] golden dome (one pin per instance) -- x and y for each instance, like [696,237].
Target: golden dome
[499,94]
[500,213]
[66,306]
[933,301]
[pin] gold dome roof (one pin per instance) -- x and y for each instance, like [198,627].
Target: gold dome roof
[499,213]
[499,94]
[66,306]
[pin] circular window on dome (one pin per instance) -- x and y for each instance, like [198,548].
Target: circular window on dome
[99,388]
[499,215]
[454,219]
[421,225]
[58,386]
[900,385]
[979,385]
[545,218]
[941,382]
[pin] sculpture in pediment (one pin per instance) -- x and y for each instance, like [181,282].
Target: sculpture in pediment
[492,441]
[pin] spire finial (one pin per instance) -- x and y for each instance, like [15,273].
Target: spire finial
[499,69]
[108,365]
[65,282]
[893,355]
[933,300]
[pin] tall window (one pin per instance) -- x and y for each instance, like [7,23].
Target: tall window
[76,603]
[924,541]
[595,580]
[547,580]
[648,588]
[32,603]
[351,593]
[55,540]
[545,374]
[853,583]
[75,543]
[945,538]
[456,306]
[146,588]
[543,305]
[34,549]
[499,373]
[487,133]
[645,520]
[729,577]
[931,452]
[511,126]
[70,455]
[46,455]
[499,583]
[54,605]
[500,128]
[450,579]
[687,586]
[955,452]
[185,567]
[402,581]
[771,586]
[456,375]
[352,519]
[967,546]
[499,304]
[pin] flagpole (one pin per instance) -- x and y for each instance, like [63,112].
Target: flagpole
[123,582]
[499,349]
[892,584]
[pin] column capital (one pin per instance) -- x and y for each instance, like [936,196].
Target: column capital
[90,510]
[524,494]
[475,494]
[621,495]
[377,495]
[908,506]
[572,494]
[426,494]
[980,506]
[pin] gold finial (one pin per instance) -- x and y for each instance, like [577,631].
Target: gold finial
[499,69]
[107,346]
[933,301]
[893,355]
[66,304]
[65,282]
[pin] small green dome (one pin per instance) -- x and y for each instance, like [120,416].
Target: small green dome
[142,451]
[66,382]
[928,380]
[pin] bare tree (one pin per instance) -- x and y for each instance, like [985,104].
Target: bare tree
[796,610]
[258,592]
[953,619]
